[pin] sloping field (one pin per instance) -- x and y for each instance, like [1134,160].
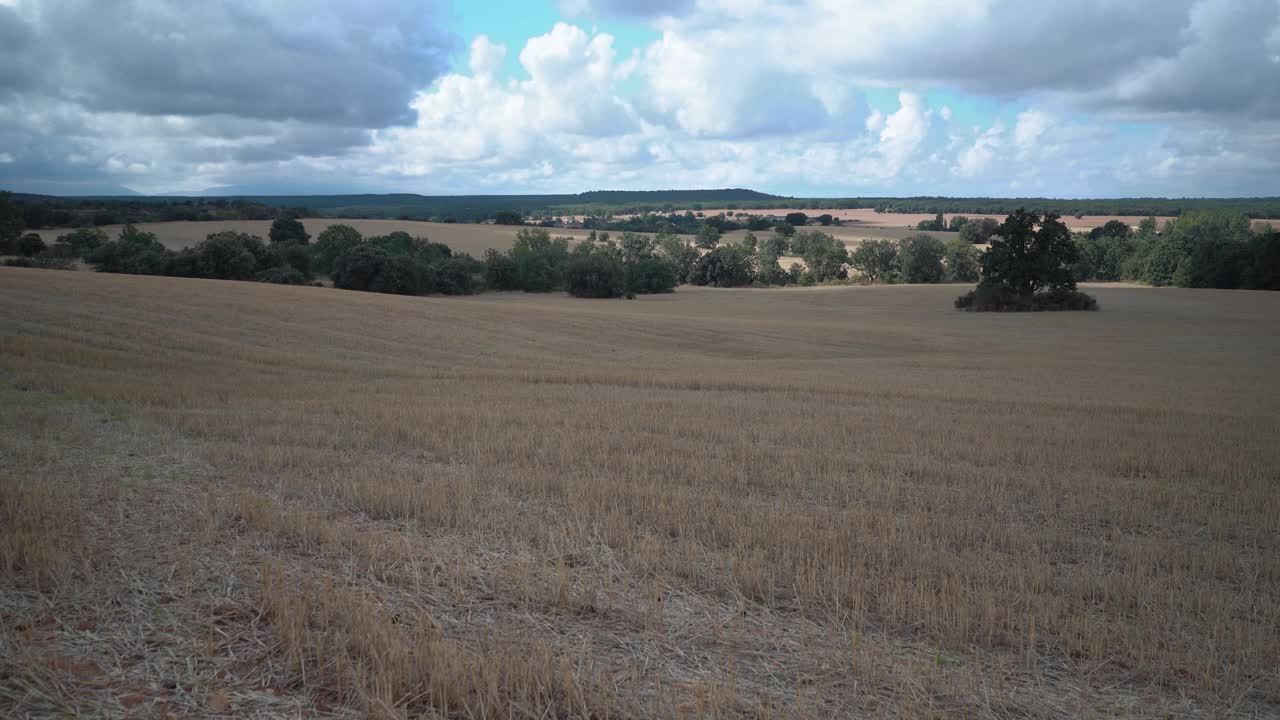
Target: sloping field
[240,499]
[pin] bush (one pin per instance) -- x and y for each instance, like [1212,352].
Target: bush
[454,275]
[133,252]
[371,269]
[500,271]
[726,266]
[650,275]
[281,276]
[30,244]
[43,262]
[84,241]
[999,299]
[595,274]
[296,257]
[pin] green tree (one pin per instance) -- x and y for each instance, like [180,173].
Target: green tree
[796,219]
[288,229]
[11,223]
[500,271]
[708,235]
[726,266]
[920,257]
[1029,253]
[957,223]
[824,255]
[372,269]
[597,273]
[540,260]
[961,260]
[1263,271]
[936,224]
[876,260]
[768,270]
[334,241]
[978,232]
[679,252]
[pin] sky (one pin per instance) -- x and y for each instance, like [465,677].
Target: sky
[1089,98]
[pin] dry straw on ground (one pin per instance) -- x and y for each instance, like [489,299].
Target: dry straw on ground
[236,499]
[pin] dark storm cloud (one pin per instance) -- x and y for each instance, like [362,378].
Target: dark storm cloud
[347,64]
[641,8]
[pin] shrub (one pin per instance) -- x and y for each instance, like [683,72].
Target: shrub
[296,257]
[84,241]
[372,269]
[454,275]
[650,275]
[44,262]
[726,266]
[595,274]
[999,299]
[500,271]
[30,244]
[281,276]
[134,252]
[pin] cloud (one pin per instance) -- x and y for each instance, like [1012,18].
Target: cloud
[1091,98]
[1031,125]
[974,159]
[626,8]
[329,61]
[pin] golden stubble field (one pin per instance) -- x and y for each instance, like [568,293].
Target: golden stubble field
[237,499]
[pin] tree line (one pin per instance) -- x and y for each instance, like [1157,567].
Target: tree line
[47,211]
[1210,249]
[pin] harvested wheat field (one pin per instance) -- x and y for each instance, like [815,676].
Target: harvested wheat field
[238,499]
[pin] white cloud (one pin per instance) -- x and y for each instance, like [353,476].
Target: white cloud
[901,137]
[1031,125]
[976,158]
